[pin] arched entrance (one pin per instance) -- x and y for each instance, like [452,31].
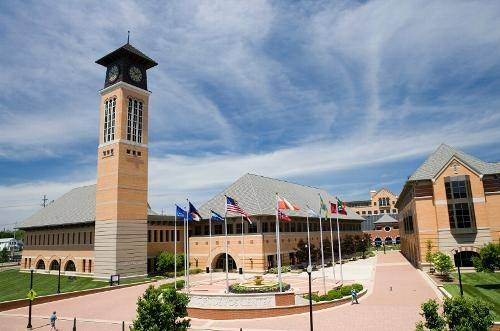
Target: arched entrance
[388,241]
[219,262]
[464,258]
[70,266]
[378,242]
[54,265]
[398,240]
[40,265]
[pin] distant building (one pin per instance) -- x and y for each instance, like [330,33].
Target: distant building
[380,214]
[453,200]
[11,244]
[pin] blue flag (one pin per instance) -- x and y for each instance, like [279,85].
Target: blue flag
[179,212]
[216,217]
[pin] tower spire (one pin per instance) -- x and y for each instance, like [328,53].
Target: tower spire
[128,37]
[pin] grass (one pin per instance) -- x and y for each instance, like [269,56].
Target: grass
[15,285]
[481,285]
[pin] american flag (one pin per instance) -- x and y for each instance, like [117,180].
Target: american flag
[232,206]
[283,217]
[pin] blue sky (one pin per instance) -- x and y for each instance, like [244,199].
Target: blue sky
[345,95]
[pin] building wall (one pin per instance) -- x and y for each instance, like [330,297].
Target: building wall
[37,248]
[373,205]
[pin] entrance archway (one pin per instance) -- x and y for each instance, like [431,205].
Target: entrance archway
[219,262]
[40,265]
[70,266]
[54,265]
[398,240]
[378,242]
[464,258]
[388,241]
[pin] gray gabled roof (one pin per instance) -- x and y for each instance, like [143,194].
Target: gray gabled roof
[257,196]
[74,207]
[442,155]
[386,218]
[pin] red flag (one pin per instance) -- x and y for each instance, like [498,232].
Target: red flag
[333,208]
[283,217]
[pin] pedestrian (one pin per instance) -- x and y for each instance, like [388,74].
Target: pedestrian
[53,319]
[354,296]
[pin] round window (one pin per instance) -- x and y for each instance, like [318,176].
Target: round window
[387,228]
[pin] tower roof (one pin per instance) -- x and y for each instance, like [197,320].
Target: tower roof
[127,50]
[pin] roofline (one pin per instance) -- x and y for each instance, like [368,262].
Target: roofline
[456,157]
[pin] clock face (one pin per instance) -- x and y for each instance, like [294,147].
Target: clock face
[136,74]
[113,73]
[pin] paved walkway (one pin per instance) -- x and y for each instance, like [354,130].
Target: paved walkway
[395,309]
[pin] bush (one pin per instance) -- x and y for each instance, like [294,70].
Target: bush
[357,287]
[4,255]
[314,297]
[285,268]
[459,313]
[166,260]
[161,309]
[180,285]
[237,288]
[334,294]
[489,258]
[428,254]
[181,273]
[442,263]
[346,290]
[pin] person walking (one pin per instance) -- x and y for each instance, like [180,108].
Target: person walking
[354,296]
[53,319]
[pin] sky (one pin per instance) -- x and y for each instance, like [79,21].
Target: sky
[345,95]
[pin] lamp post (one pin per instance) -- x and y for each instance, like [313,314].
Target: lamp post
[309,271]
[29,326]
[364,247]
[459,274]
[59,278]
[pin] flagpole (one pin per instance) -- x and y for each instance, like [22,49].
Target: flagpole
[209,262]
[227,263]
[322,253]
[185,249]
[243,242]
[175,248]
[340,250]
[308,239]
[188,250]
[331,245]
[278,246]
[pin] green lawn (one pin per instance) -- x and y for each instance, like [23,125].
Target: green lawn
[15,285]
[482,285]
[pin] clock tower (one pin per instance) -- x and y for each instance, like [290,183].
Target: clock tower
[120,245]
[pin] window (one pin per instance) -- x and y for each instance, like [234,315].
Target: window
[84,265]
[394,211]
[206,231]
[109,119]
[166,236]
[218,228]
[90,239]
[134,120]
[363,212]
[238,228]
[369,212]
[155,235]
[230,229]
[149,236]
[197,230]
[252,228]
[460,204]
[85,238]
[265,227]
[161,236]
[408,224]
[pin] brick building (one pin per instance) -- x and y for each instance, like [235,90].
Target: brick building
[453,200]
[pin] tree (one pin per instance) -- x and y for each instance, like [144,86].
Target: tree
[489,258]
[459,313]
[442,263]
[302,252]
[165,262]
[429,254]
[4,255]
[161,309]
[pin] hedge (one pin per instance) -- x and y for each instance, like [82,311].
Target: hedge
[238,288]
[335,294]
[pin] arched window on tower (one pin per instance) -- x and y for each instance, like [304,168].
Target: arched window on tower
[109,119]
[134,120]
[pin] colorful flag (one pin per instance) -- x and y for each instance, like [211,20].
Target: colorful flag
[181,212]
[333,208]
[323,206]
[342,207]
[285,204]
[193,213]
[232,206]
[216,217]
[283,217]
[311,212]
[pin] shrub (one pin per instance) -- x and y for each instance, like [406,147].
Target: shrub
[180,285]
[161,309]
[489,258]
[238,288]
[432,319]
[346,290]
[314,297]
[4,255]
[285,268]
[428,253]
[166,261]
[334,294]
[442,263]
[462,313]
[357,287]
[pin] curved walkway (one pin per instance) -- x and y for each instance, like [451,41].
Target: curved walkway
[382,308]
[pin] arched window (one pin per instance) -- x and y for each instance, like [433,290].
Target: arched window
[134,120]
[109,119]
[54,265]
[388,241]
[378,242]
[40,265]
[70,266]
[398,240]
